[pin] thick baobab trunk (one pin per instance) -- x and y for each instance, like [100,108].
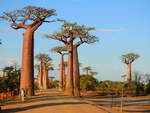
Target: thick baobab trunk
[45,77]
[76,72]
[61,80]
[40,78]
[129,72]
[69,78]
[27,71]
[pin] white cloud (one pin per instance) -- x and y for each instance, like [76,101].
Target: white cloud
[9,62]
[113,30]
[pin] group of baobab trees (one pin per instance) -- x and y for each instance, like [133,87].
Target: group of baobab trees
[43,68]
[72,35]
[31,18]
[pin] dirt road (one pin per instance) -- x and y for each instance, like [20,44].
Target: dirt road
[52,101]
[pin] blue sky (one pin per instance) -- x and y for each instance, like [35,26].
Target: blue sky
[122,25]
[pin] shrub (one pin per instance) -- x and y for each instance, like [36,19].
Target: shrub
[88,82]
[53,84]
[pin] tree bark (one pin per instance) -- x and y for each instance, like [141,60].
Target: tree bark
[61,80]
[76,72]
[129,72]
[69,79]
[64,71]
[40,78]
[45,77]
[27,71]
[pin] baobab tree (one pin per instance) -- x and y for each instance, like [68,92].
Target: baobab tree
[62,50]
[87,69]
[129,59]
[46,66]
[69,32]
[28,18]
[65,68]
[40,58]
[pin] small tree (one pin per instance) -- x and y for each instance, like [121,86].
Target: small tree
[129,59]
[28,18]
[87,69]
[62,51]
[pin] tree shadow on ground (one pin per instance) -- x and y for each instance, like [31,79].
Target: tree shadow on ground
[38,98]
[114,101]
[14,110]
[138,111]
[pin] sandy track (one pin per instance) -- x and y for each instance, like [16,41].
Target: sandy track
[51,101]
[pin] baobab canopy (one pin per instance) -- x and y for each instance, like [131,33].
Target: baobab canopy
[59,49]
[26,15]
[129,58]
[77,31]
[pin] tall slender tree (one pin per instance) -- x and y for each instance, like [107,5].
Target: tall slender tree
[28,18]
[46,65]
[129,59]
[69,32]
[62,50]
[40,58]
[65,68]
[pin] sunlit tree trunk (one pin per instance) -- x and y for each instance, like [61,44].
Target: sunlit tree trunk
[69,79]
[45,77]
[64,71]
[129,72]
[40,78]
[27,71]
[76,72]
[61,80]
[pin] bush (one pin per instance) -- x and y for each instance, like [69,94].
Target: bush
[36,86]
[10,82]
[113,87]
[53,84]
[88,82]
[133,88]
[147,88]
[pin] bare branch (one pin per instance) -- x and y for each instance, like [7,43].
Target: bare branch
[28,15]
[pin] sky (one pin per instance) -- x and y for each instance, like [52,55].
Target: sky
[123,26]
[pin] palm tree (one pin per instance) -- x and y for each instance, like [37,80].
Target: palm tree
[87,69]
[29,18]
[129,59]
[69,32]
[62,51]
